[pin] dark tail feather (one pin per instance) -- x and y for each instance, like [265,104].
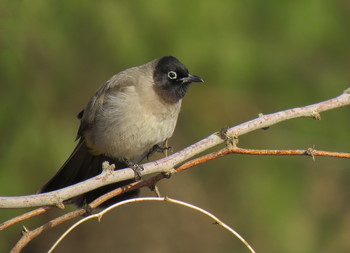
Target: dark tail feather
[80,166]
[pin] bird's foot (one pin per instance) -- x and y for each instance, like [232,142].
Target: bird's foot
[137,170]
[158,148]
[135,167]
[161,149]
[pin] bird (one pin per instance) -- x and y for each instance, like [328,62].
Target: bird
[130,116]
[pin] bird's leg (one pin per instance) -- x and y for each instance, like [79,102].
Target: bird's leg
[135,167]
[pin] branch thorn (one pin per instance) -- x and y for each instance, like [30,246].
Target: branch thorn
[168,172]
[60,205]
[311,152]
[230,140]
[155,189]
[259,116]
[107,167]
[25,230]
[316,115]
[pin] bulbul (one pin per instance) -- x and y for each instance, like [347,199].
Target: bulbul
[128,117]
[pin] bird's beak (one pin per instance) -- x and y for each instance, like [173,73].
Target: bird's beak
[191,79]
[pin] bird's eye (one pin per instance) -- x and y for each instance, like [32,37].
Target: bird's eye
[172,75]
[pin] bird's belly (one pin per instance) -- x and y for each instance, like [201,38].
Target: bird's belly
[133,141]
[133,134]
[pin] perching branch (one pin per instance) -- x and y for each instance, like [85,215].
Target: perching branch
[168,163]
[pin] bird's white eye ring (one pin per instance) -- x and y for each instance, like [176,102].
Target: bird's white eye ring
[172,75]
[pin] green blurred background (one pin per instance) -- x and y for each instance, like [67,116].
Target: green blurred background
[255,56]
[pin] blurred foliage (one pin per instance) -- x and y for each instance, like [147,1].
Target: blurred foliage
[255,56]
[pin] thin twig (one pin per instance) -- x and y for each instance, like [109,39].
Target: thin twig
[25,216]
[29,235]
[166,199]
[308,152]
[235,150]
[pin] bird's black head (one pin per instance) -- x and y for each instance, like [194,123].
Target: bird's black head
[172,78]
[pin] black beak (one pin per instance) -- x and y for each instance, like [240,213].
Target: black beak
[191,79]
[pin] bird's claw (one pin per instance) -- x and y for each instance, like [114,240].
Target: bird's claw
[137,170]
[135,167]
[159,149]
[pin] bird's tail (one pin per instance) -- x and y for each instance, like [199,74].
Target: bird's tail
[82,165]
